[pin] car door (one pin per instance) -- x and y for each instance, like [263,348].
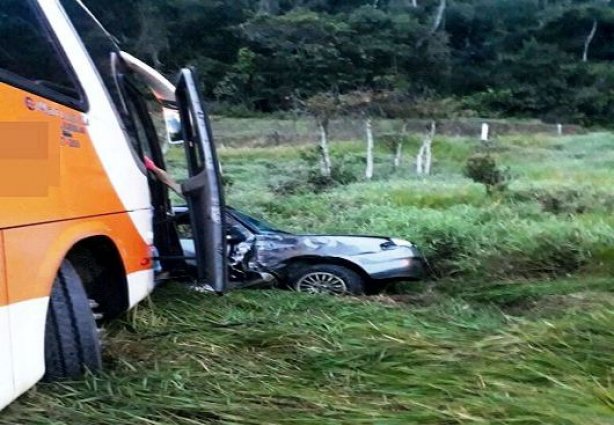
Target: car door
[203,189]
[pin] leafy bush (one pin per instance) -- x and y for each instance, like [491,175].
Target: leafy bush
[288,185]
[339,176]
[307,178]
[482,168]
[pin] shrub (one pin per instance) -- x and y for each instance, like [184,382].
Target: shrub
[288,186]
[483,168]
[342,172]
[311,180]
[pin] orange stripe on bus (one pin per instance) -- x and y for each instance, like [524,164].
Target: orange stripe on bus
[33,254]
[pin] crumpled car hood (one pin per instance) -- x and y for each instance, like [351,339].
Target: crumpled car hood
[276,248]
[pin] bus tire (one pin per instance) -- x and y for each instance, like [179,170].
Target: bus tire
[72,344]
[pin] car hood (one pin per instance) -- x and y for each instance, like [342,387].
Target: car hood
[290,245]
[367,243]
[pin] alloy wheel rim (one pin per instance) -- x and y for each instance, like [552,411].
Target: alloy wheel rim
[321,282]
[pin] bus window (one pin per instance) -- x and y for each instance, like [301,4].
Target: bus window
[100,45]
[106,58]
[29,58]
[139,137]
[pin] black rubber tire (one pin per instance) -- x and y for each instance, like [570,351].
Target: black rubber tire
[354,283]
[72,344]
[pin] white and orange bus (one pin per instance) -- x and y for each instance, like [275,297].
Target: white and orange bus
[80,218]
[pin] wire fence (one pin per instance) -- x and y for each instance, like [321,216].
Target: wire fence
[265,132]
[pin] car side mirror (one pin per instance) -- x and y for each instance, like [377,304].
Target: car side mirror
[174,132]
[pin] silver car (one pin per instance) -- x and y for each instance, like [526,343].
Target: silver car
[261,255]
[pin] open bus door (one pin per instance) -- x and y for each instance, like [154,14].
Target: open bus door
[203,189]
[187,123]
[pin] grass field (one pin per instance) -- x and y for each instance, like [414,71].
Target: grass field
[555,219]
[517,327]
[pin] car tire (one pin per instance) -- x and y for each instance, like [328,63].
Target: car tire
[327,278]
[72,343]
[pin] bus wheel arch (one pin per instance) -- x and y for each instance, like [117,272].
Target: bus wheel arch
[98,263]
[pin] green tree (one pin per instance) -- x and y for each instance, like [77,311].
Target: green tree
[525,58]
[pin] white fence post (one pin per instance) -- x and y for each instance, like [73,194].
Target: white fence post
[370,146]
[485,132]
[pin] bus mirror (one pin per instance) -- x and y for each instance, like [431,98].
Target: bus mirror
[174,132]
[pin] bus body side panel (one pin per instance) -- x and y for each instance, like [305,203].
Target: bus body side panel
[78,200]
[109,140]
[27,329]
[64,176]
[7,386]
[49,168]
[112,146]
[141,280]
[33,257]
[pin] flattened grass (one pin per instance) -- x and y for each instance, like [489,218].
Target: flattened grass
[280,358]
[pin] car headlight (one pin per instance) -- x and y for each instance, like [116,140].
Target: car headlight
[402,242]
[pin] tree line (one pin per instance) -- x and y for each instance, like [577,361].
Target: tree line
[547,59]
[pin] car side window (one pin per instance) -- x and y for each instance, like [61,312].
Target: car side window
[29,56]
[231,222]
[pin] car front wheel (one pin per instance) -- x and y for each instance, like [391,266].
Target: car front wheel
[327,279]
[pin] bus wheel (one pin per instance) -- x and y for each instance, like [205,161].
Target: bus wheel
[72,344]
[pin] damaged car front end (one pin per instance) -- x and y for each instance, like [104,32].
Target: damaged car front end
[261,255]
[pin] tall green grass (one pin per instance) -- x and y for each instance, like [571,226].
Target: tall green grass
[281,358]
[556,218]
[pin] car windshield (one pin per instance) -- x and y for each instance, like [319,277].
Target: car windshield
[260,226]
